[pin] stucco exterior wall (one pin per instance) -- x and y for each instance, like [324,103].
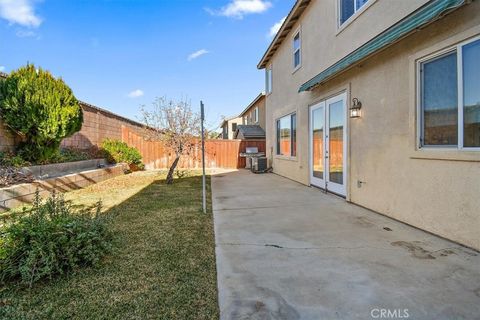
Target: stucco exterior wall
[435,191]
[227,132]
[248,114]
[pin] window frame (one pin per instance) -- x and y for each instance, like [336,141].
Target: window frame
[268,79]
[458,48]
[293,154]
[255,115]
[356,11]
[298,32]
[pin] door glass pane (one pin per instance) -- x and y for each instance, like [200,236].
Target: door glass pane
[317,142]
[336,122]
[471,94]
[439,101]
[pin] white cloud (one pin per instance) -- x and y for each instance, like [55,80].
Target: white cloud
[20,12]
[197,54]
[2,68]
[239,8]
[274,29]
[25,33]
[136,93]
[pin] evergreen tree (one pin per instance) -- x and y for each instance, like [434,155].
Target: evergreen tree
[40,109]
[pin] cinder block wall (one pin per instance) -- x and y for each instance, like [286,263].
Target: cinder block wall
[98,124]
[6,138]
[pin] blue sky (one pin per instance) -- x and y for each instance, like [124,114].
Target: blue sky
[120,54]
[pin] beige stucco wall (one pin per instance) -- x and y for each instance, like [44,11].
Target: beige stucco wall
[227,125]
[436,191]
[261,113]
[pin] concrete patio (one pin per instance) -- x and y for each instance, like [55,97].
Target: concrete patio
[287,251]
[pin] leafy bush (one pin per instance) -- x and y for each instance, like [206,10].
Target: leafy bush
[8,159]
[69,155]
[40,109]
[52,239]
[117,151]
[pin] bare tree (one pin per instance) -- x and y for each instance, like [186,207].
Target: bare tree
[175,124]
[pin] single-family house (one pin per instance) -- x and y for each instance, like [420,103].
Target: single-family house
[253,120]
[378,101]
[254,113]
[229,127]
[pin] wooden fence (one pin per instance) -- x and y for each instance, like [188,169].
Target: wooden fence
[218,153]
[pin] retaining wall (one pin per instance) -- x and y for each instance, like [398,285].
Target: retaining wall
[23,194]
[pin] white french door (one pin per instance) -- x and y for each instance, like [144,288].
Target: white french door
[328,145]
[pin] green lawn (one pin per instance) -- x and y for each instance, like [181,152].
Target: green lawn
[163,266]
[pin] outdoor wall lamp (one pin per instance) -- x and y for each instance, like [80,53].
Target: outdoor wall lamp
[356,109]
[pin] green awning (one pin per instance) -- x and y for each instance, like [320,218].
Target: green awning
[426,14]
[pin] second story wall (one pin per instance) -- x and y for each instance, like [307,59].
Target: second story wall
[323,42]
[248,116]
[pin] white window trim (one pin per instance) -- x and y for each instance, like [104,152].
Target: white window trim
[341,26]
[282,156]
[255,115]
[458,48]
[298,32]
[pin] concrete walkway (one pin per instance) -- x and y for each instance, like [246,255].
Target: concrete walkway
[287,251]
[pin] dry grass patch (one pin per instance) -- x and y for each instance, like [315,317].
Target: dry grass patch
[163,266]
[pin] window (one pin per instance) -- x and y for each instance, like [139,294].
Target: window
[255,115]
[349,7]
[234,127]
[287,135]
[450,98]
[268,80]
[297,59]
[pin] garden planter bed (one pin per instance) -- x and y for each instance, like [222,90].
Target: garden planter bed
[61,169]
[21,194]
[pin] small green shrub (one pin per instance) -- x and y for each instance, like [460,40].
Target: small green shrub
[117,151]
[40,109]
[69,155]
[52,239]
[8,159]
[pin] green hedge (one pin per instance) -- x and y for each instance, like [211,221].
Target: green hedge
[117,151]
[40,109]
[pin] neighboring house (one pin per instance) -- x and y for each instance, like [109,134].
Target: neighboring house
[378,101]
[254,113]
[229,126]
[253,120]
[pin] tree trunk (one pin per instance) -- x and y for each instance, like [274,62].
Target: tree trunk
[172,170]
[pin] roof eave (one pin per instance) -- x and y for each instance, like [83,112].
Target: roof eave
[261,95]
[443,8]
[292,17]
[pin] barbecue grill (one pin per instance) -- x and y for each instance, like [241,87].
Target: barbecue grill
[251,153]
